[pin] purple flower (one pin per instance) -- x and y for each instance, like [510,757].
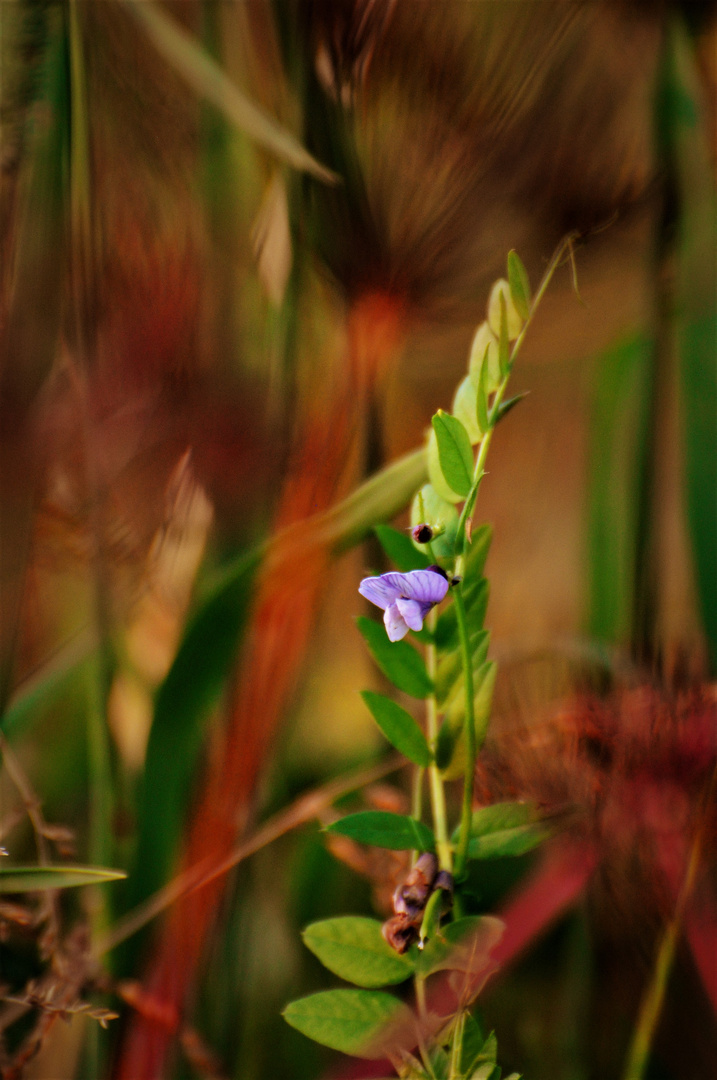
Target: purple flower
[405,598]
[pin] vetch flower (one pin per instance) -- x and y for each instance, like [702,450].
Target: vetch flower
[405,598]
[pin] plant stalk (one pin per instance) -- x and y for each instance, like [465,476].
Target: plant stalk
[435,782]
[470,736]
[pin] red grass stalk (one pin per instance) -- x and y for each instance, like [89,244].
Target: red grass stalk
[276,644]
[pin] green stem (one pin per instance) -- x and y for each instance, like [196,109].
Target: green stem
[417,801]
[565,245]
[470,735]
[460,552]
[417,793]
[456,1047]
[435,782]
[421,996]
[479,468]
[420,986]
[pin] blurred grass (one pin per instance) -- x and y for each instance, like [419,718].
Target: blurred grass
[617,453]
[32,321]
[688,134]
[246,330]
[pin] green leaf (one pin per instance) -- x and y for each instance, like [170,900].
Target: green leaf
[450,666]
[519,284]
[461,945]
[504,830]
[382,829]
[482,394]
[501,815]
[454,452]
[489,1053]
[486,1072]
[503,339]
[450,748]
[435,473]
[399,727]
[446,745]
[477,554]
[507,843]
[15,879]
[398,660]
[440,1064]
[464,408]
[471,1045]
[506,406]
[353,948]
[475,598]
[400,549]
[358,1022]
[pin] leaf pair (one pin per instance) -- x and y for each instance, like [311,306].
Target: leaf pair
[363,1022]
[358,1022]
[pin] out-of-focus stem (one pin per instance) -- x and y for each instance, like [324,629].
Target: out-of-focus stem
[651,1006]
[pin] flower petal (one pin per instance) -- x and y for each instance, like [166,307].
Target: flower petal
[379,590]
[413,612]
[396,628]
[427,586]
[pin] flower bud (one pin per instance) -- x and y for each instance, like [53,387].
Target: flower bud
[422,534]
[428,508]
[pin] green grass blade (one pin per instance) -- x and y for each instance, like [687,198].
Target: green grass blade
[685,127]
[618,441]
[17,879]
[31,325]
[205,76]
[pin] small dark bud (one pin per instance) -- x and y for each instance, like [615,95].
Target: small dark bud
[422,534]
[456,581]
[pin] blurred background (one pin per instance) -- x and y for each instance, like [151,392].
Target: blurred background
[246,244]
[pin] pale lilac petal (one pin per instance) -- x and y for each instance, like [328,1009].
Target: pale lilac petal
[379,590]
[396,628]
[424,585]
[413,612]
